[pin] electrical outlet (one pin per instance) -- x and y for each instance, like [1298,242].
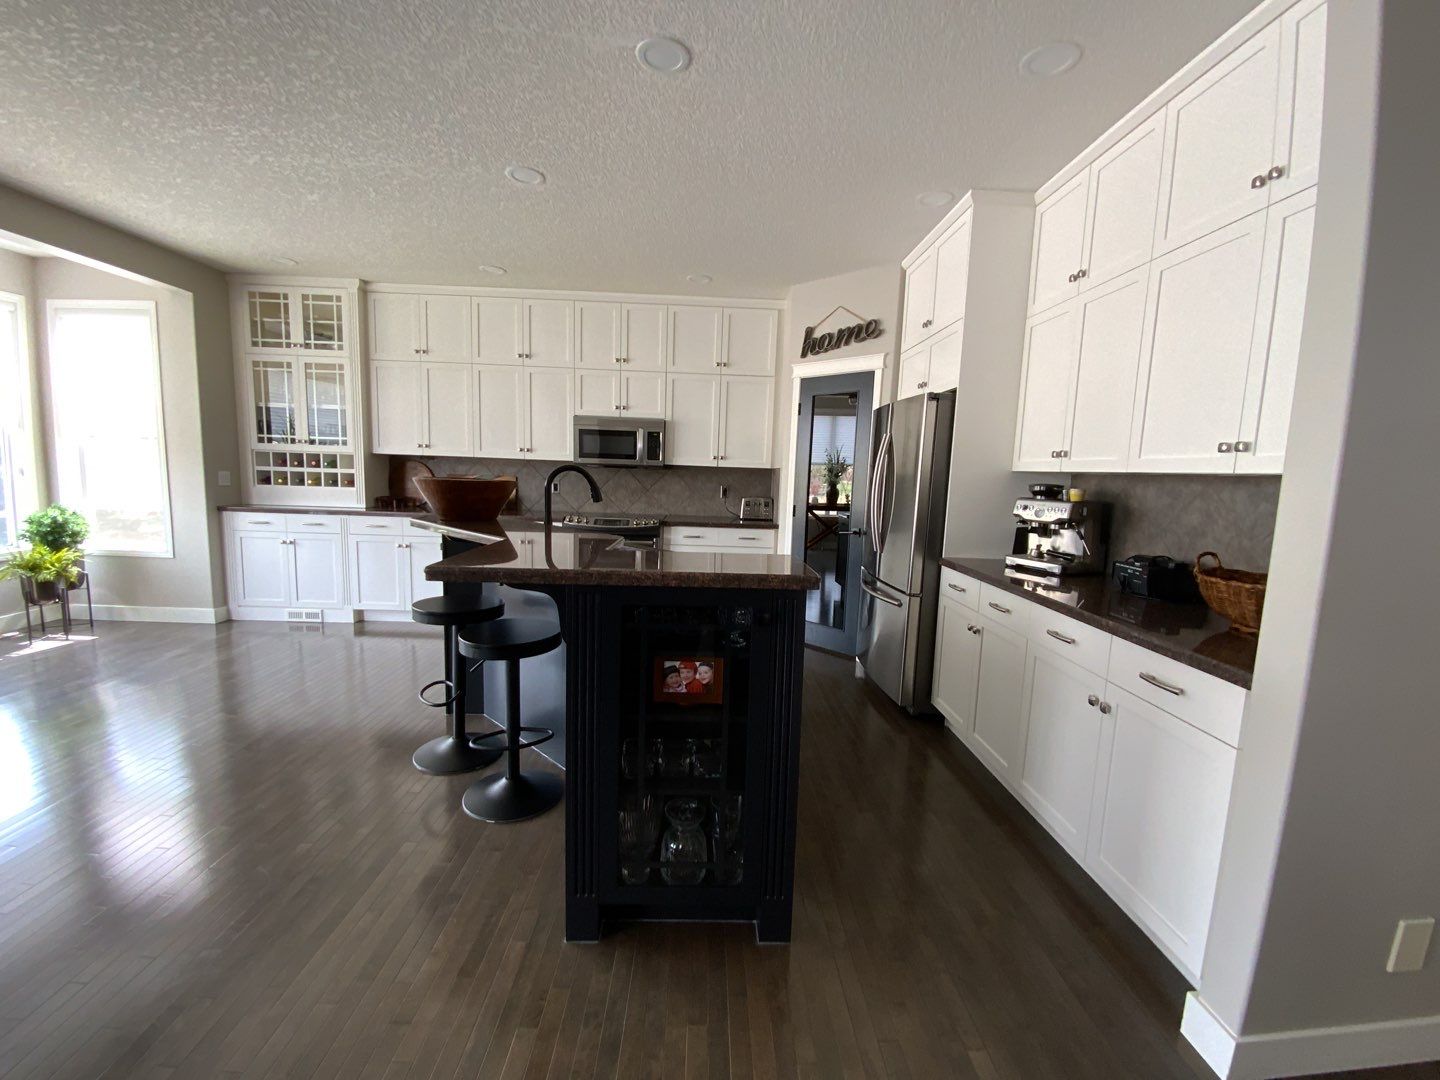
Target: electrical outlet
[1412,942]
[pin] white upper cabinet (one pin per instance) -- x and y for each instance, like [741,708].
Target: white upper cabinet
[524,412]
[914,371]
[643,342]
[446,330]
[446,409]
[498,339]
[693,430]
[549,333]
[944,372]
[500,426]
[1199,320]
[1302,90]
[952,275]
[1057,248]
[1112,321]
[636,393]
[395,326]
[1219,144]
[282,319]
[747,412]
[1124,187]
[396,393]
[597,392]
[597,336]
[1275,348]
[919,299]
[642,393]
[1042,429]
[749,341]
[548,406]
[694,337]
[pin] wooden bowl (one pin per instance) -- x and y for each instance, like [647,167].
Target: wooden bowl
[465,498]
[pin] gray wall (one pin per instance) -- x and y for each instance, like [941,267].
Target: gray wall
[679,489]
[1185,515]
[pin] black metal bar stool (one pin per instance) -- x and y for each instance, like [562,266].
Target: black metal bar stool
[453,753]
[511,795]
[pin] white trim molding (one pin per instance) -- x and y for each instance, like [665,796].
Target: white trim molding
[815,369]
[1311,1050]
[139,613]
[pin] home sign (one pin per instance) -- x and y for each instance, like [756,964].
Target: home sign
[863,330]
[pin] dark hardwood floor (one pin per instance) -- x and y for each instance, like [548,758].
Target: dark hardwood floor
[217,861]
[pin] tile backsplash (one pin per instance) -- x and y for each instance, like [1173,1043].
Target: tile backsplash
[678,489]
[1185,515]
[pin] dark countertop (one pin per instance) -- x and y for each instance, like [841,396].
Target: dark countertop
[508,548]
[252,508]
[1190,633]
[713,521]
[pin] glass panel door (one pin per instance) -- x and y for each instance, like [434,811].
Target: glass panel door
[322,321]
[268,315]
[327,416]
[273,388]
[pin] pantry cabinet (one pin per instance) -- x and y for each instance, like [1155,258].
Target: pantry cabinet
[420,407]
[936,284]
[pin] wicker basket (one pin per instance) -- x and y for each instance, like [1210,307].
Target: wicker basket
[1239,595]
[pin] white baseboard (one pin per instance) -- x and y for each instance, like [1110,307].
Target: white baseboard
[14,620]
[1312,1050]
[140,613]
[329,616]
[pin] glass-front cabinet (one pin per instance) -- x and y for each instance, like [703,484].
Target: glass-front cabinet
[301,394]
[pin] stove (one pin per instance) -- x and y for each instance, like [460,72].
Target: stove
[616,525]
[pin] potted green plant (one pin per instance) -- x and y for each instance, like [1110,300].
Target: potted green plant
[834,471]
[43,572]
[56,527]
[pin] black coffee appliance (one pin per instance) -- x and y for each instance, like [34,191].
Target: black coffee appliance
[1158,577]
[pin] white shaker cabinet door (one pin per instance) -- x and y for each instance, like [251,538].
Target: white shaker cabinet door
[693,431]
[1062,745]
[1112,321]
[999,732]
[1124,189]
[447,330]
[747,414]
[1302,91]
[643,344]
[944,369]
[695,339]
[377,572]
[447,409]
[550,401]
[597,393]
[643,393]
[549,333]
[919,315]
[396,403]
[318,564]
[952,275]
[422,551]
[1042,427]
[261,569]
[914,371]
[1163,793]
[497,330]
[1219,142]
[394,326]
[957,668]
[1275,349]
[597,335]
[750,341]
[1057,248]
[500,427]
[1199,317]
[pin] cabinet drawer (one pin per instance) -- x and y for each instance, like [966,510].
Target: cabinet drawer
[256,521]
[1004,608]
[1077,642]
[312,525]
[759,539]
[961,588]
[696,536]
[1210,704]
[368,525]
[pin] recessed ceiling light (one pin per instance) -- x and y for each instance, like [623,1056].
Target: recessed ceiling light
[491,268]
[284,260]
[525,174]
[662,54]
[1053,59]
[935,198]
[699,279]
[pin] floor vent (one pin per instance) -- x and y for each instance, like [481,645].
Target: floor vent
[312,616]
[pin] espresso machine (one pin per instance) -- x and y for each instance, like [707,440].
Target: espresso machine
[1055,537]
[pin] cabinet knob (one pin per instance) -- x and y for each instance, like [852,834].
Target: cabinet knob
[974,629]
[1071,279]
[1081,273]
[1276,172]
[617,359]
[1258,181]
[1105,708]
[417,352]
[624,359]
[1225,448]
[1054,453]
[1243,447]
[1062,453]
[1093,700]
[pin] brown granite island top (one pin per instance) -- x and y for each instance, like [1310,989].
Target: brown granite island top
[517,551]
[1190,633]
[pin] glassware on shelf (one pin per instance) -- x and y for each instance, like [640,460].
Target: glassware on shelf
[630,759]
[678,754]
[684,843]
[707,761]
[725,812]
[639,828]
[655,757]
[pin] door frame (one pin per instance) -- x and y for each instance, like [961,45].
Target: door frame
[845,365]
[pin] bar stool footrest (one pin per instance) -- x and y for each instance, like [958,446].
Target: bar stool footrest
[479,741]
[450,700]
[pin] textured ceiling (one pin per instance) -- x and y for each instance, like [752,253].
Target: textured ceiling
[368,138]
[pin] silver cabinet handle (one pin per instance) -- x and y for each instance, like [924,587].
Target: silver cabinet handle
[1093,700]
[1258,181]
[374,526]
[1244,447]
[1161,684]
[1225,448]
[267,522]
[417,352]
[1081,274]
[1071,279]
[617,359]
[1058,636]
[999,607]
[957,588]
[1105,708]
[313,524]
[974,629]
[1276,172]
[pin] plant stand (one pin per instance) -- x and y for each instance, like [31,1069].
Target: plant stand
[38,595]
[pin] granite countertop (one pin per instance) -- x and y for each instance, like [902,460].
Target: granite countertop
[519,551]
[1190,633]
[252,508]
[712,521]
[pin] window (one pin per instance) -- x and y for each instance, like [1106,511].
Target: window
[16,447]
[109,442]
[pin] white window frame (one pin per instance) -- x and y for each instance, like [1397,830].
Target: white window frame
[21,440]
[52,307]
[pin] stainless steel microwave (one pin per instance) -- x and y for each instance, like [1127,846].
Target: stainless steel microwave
[610,440]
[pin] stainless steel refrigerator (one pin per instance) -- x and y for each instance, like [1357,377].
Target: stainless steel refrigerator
[900,575]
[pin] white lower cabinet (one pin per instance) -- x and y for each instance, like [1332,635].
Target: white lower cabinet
[1164,792]
[1133,792]
[285,561]
[259,570]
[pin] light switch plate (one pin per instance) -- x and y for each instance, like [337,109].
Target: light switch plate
[222,478]
[1412,941]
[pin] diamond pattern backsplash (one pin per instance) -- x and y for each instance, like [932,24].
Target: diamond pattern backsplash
[679,489]
[1182,516]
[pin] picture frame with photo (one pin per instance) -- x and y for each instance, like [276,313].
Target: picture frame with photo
[689,680]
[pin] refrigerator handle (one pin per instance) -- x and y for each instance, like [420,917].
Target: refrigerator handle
[878,595]
[878,495]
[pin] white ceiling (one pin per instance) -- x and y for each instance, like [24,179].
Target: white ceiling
[368,138]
